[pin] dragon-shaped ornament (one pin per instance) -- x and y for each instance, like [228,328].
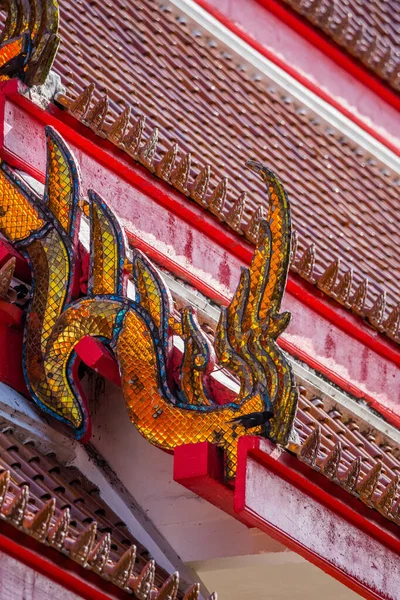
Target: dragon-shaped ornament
[29,40]
[140,331]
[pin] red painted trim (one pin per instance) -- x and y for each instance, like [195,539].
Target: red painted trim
[349,65]
[17,163]
[112,158]
[324,491]
[350,323]
[201,472]
[59,574]
[316,485]
[176,269]
[330,48]
[343,383]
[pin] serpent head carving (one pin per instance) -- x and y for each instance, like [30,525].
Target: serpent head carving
[141,330]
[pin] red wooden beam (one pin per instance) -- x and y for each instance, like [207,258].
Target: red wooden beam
[349,65]
[56,566]
[302,509]
[317,519]
[319,40]
[108,155]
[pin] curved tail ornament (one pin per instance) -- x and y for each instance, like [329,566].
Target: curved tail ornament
[169,409]
[29,40]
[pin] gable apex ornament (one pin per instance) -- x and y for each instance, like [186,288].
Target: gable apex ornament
[46,231]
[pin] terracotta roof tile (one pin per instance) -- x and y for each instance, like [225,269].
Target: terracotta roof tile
[147,56]
[65,491]
[333,443]
[367,29]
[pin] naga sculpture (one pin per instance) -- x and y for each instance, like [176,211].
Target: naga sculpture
[29,40]
[140,331]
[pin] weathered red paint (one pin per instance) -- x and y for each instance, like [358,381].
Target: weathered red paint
[323,335]
[56,566]
[278,494]
[347,63]
[317,519]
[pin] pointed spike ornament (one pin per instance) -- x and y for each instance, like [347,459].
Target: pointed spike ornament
[97,116]
[131,141]
[180,175]
[234,216]
[144,582]
[305,265]
[217,199]
[343,289]
[253,229]
[82,547]
[15,512]
[358,37]
[366,487]
[117,130]
[386,500]
[122,571]
[193,593]
[200,186]
[6,275]
[170,588]
[58,533]
[80,105]
[359,298]
[99,555]
[392,323]
[375,314]
[166,164]
[147,152]
[39,526]
[310,448]
[332,461]
[4,484]
[350,479]
[325,17]
[327,280]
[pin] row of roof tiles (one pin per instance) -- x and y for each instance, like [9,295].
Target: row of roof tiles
[185,108]
[367,29]
[59,507]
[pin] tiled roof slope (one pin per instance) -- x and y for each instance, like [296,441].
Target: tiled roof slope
[368,29]
[59,507]
[349,454]
[146,55]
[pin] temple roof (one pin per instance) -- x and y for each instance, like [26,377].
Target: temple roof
[58,506]
[149,57]
[368,30]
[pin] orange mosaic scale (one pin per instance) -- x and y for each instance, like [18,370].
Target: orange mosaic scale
[138,330]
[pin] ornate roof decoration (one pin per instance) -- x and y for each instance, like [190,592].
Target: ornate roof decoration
[58,507]
[333,281]
[29,40]
[177,78]
[139,330]
[348,454]
[368,30]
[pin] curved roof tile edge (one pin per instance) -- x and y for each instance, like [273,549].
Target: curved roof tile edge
[335,284]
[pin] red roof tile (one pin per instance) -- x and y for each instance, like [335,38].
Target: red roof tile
[147,56]
[368,29]
[33,482]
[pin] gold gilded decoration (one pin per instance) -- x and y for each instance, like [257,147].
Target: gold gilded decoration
[138,330]
[29,40]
